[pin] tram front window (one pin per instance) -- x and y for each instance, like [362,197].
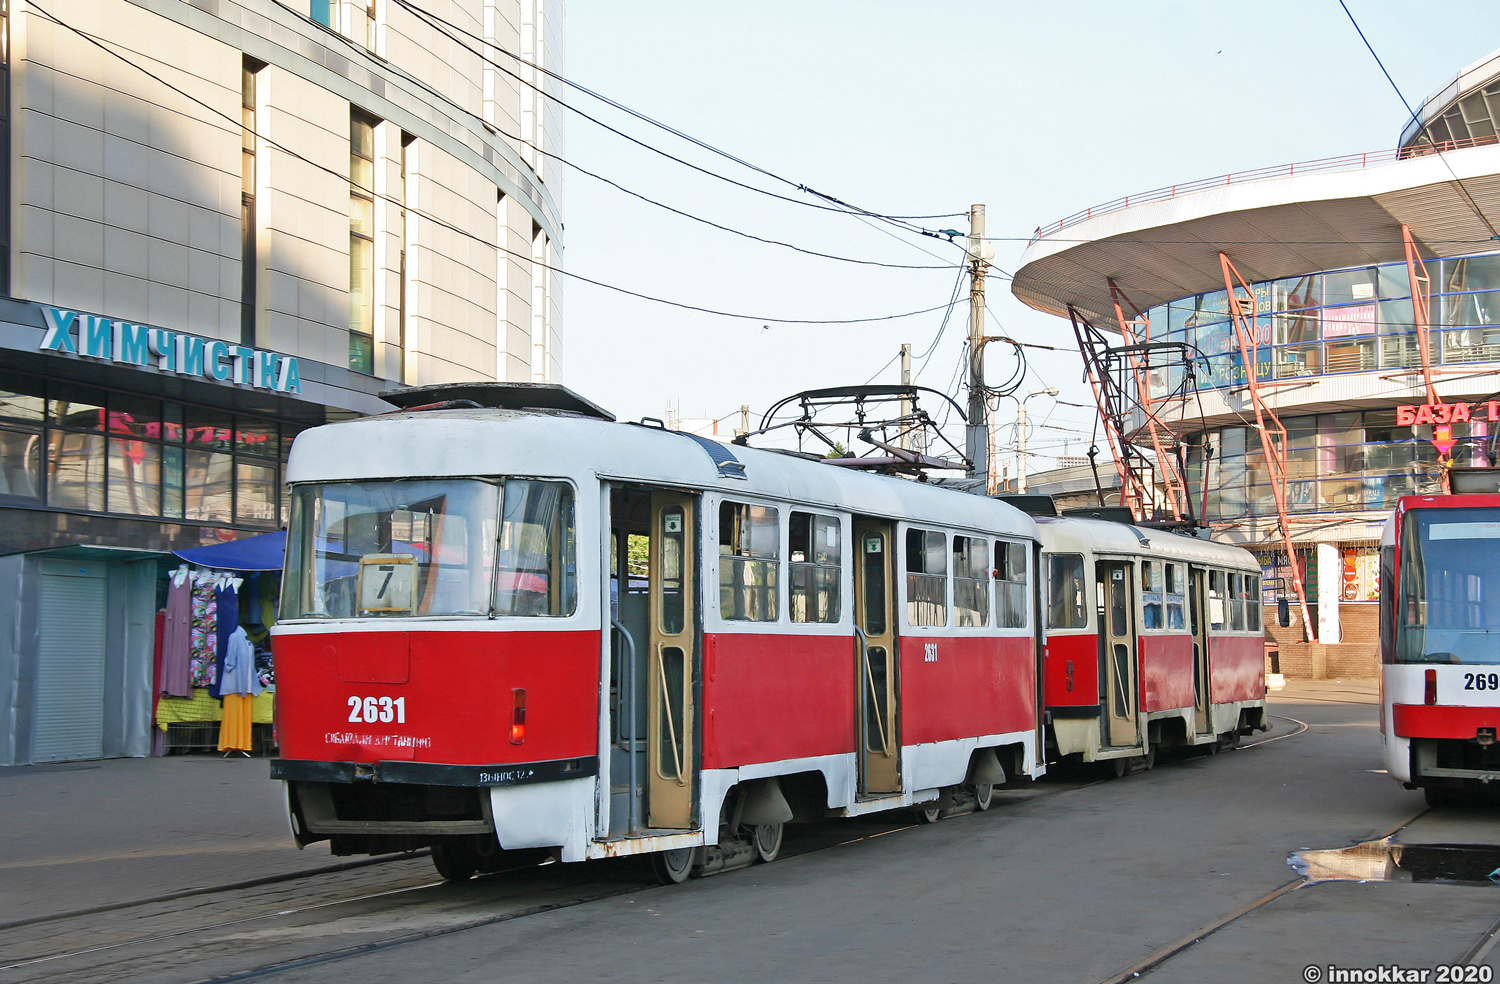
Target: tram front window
[1449,601]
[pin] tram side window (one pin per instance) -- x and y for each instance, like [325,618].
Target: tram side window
[1236,603]
[1176,592]
[1218,614]
[1067,601]
[971,581]
[749,562]
[1250,585]
[536,572]
[816,560]
[1010,569]
[926,577]
[1151,595]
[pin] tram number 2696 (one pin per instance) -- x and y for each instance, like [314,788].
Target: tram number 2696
[377,710]
[1482,681]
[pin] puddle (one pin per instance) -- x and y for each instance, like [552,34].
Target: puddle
[1383,860]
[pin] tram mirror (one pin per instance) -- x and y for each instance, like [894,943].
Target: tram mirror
[1283,612]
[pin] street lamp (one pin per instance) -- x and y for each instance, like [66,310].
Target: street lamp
[1021,427]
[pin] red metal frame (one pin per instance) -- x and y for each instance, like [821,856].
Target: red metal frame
[1133,492]
[1171,478]
[1266,421]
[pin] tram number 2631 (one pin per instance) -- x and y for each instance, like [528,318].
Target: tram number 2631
[381,710]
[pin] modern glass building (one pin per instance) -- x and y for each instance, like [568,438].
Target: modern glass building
[222,222]
[1325,259]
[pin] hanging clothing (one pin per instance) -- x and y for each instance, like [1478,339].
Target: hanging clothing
[205,637]
[227,604]
[234,729]
[239,675]
[177,639]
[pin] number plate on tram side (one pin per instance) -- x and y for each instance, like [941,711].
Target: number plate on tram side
[377,710]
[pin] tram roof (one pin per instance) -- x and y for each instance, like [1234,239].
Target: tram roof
[1069,533]
[436,443]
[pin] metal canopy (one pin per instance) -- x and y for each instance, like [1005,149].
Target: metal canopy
[1169,248]
[507,396]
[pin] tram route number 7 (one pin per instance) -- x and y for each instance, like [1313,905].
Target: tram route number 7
[377,710]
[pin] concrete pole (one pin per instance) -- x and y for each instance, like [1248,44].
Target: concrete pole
[976,434]
[1021,428]
[905,441]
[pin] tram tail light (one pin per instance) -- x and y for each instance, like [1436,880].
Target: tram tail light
[518,718]
[1429,695]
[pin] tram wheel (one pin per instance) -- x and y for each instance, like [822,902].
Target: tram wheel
[767,838]
[672,867]
[984,795]
[455,862]
[929,814]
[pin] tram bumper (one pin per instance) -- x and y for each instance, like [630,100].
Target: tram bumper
[383,807]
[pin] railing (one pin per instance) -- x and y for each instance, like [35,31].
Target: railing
[1347,162]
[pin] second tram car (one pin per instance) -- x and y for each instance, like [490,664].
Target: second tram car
[1153,640]
[1440,643]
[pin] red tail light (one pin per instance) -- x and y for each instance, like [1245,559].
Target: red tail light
[518,717]
[1430,693]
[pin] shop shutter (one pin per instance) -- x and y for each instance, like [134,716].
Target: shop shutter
[70,670]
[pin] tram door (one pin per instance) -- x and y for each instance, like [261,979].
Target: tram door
[671,757]
[1197,608]
[1116,589]
[876,669]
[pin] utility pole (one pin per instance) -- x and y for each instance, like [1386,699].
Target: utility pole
[905,441]
[1021,428]
[977,433]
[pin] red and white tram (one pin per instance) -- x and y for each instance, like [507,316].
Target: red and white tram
[1440,643]
[1153,639]
[509,630]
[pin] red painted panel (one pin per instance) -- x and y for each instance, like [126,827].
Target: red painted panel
[1081,654]
[768,697]
[457,702]
[1236,668]
[1166,672]
[1438,721]
[975,685]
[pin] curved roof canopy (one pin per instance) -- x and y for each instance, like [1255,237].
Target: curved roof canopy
[1168,249]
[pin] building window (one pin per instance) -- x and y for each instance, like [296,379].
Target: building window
[362,244]
[749,550]
[71,447]
[5,147]
[926,577]
[249,265]
[816,565]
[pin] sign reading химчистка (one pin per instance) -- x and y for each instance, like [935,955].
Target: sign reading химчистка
[95,337]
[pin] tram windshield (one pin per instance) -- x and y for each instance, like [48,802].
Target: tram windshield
[430,547]
[1449,585]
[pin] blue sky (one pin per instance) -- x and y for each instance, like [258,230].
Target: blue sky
[1034,110]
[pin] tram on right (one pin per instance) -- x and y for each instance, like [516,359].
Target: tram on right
[1440,644]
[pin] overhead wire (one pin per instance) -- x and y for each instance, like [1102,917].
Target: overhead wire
[453,32]
[238,124]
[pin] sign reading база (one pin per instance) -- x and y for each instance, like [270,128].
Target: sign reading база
[174,351]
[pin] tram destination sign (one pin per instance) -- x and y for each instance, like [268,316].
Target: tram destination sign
[1446,413]
[91,336]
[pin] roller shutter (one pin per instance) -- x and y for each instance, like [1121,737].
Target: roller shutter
[70,669]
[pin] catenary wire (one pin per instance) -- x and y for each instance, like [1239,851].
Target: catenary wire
[456,229]
[456,34]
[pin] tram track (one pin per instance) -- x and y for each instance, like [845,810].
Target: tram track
[361,906]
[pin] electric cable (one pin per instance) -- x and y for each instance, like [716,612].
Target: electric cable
[456,34]
[456,229]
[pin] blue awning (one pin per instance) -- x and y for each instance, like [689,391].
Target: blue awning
[265,552]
